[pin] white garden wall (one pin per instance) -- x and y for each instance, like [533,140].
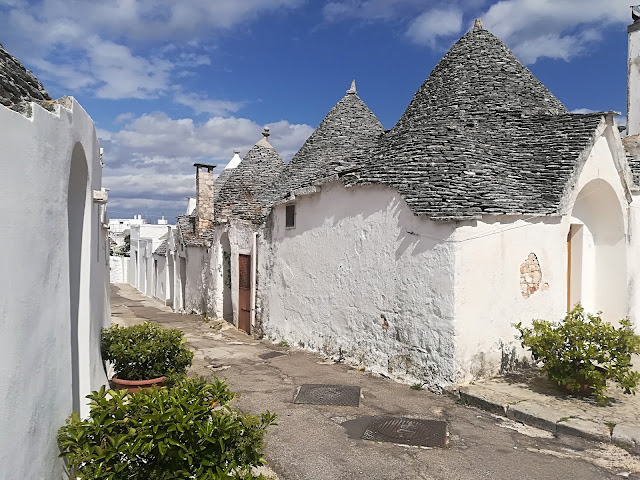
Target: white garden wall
[55,282]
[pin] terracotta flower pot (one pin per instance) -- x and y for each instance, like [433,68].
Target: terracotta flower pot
[137,385]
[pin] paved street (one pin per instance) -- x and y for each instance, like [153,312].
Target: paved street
[323,442]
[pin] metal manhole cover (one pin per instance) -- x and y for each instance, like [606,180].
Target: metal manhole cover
[314,394]
[267,356]
[408,431]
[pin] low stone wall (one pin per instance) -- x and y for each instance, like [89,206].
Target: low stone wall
[119,269]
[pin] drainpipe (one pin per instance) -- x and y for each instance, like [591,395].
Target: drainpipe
[254,264]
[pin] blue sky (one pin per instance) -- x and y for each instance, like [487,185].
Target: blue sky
[169,83]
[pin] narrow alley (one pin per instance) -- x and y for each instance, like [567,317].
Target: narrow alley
[320,442]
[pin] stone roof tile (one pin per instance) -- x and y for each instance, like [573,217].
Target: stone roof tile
[17,84]
[500,164]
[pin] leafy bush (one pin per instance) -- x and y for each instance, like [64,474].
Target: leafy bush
[583,350]
[145,351]
[186,432]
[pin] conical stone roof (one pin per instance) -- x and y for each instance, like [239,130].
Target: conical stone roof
[348,131]
[482,136]
[17,84]
[239,196]
[478,76]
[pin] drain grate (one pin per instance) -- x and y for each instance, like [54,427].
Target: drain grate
[267,356]
[408,431]
[318,394]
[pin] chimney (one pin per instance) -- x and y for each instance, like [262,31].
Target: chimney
[204,196]
[633,78]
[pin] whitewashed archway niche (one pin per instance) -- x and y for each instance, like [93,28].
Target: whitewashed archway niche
[597,256]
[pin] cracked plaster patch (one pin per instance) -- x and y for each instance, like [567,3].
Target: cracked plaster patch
[531,276]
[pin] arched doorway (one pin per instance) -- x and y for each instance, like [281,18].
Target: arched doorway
[225,261]
[78,215]
[597,273]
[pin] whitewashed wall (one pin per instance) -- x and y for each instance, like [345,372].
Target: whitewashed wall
[634,261]
[196,285]
[144,240]
[161,290]
[361,277]
[490,253]
[37,336]
[119,269]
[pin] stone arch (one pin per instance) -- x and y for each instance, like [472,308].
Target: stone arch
[78,223]
[597,272]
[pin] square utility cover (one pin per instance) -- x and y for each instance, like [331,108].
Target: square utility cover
[408,431]
[315,394]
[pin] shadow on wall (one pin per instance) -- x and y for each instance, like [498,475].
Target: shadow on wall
[76,206]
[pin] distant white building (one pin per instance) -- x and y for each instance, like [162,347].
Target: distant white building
[148,269]
[54,270]
[119,225]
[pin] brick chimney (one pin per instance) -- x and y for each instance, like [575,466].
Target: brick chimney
[204,196]
[633,78]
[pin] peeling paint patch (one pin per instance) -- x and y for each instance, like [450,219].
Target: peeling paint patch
[530,276]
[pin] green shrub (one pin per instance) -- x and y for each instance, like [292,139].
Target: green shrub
[145,351]
[584,350]
[186,432]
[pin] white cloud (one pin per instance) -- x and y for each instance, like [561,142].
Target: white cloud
[583,110]
[431,25]
[149,162]
[369,9]
[559,29]
[203,104]
[108,47]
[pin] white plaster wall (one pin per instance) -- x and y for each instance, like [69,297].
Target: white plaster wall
[161,287]
[487,280]
[634,260]
[119,269]
[35,333]
[489,254]
[363,278]
[201,272]
[633,84]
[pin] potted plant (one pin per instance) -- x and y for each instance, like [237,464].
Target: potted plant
[582,351]
[145,354]
[186,432]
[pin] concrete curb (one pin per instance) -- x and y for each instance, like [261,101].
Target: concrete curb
[535,415]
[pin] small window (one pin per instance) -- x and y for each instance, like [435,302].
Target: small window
[291,216]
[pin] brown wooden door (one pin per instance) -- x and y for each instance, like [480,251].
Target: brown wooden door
[244,293]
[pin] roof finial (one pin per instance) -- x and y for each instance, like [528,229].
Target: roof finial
[352,90]
[236,152]
[266,133]
[477,25]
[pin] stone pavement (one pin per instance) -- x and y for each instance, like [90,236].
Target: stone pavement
[530,398]
[324,442]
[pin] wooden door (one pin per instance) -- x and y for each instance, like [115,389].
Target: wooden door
[244,293]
